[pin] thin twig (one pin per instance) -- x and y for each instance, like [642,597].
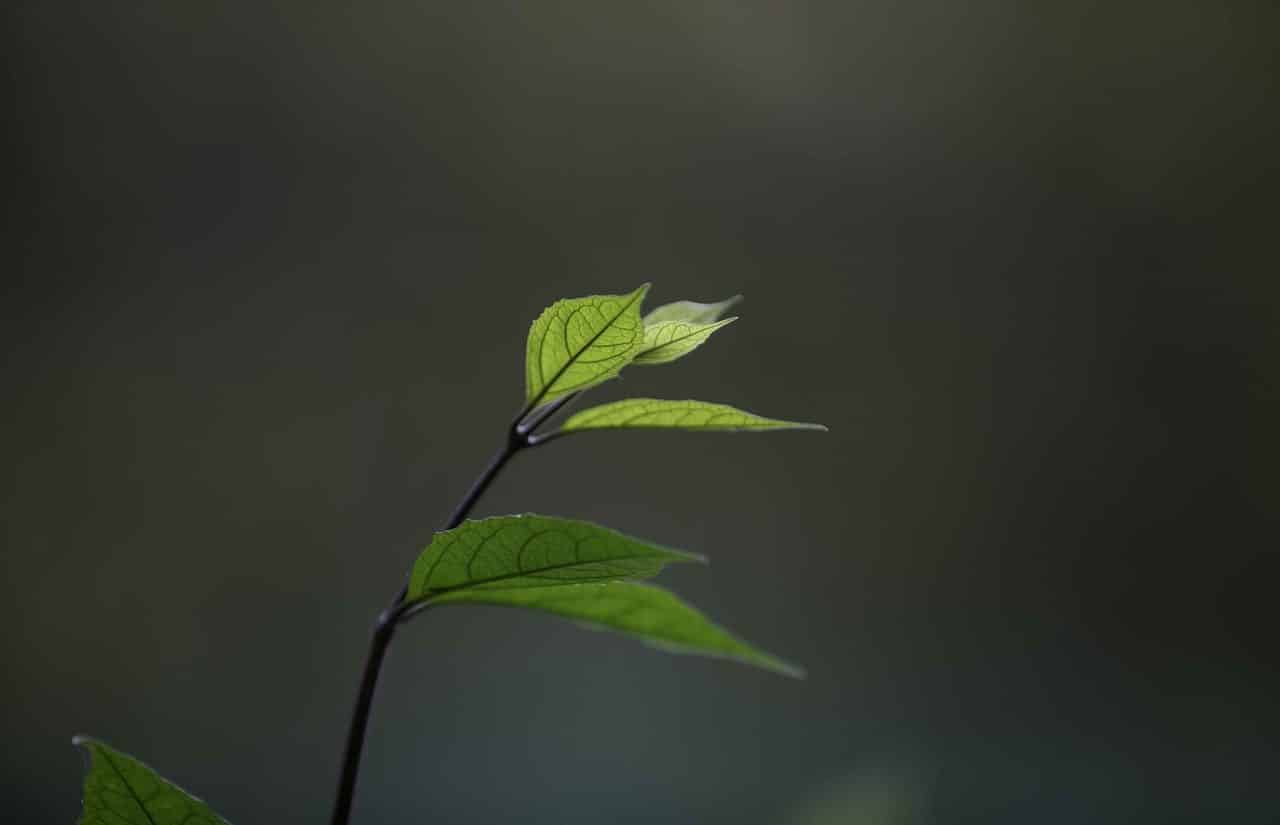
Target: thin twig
[386,627]
[382,634]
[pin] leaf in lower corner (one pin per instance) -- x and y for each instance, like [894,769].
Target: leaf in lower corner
[667,341]
[577,343]
[649,613]
[120,790]
[510,552]
[690,311]
[656,413]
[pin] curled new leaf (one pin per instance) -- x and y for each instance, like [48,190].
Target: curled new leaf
[120,790]
[639,413]
[690,311]
[666,341]
[648,613]
[532,551]
[577,343]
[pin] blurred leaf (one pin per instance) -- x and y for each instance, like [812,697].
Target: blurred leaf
[690,311]
[679,415]
[510,552]
[649,613]
[884,794]
[577,343]
[120,790]
[666,341]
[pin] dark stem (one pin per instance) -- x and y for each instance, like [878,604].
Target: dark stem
[517,440]
[382,634]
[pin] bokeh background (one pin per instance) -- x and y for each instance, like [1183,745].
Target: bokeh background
[268,273]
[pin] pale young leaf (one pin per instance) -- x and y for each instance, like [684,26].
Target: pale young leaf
[691,311]
[666,341]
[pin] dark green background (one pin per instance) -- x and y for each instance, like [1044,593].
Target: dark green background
[269,269]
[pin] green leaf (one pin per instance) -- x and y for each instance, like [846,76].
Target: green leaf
[511,552]
[120,790]
[651,614]
[690,311]
[579,342]
[678,415]
[666,341]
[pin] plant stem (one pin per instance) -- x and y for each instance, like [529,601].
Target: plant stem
[514,444]
[519,437]
[382,635]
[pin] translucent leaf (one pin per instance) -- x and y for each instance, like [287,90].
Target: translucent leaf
[656,413]
[511,552]
[648,613]
[690,311]
[120,790]
[579,342]
[666,341]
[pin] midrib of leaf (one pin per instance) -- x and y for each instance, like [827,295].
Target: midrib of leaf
[666,556]
[695,330]
[645,408]
[574,359]
[533,574]
[637,295]
[142,805]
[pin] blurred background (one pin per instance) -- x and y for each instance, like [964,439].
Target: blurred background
[269,270]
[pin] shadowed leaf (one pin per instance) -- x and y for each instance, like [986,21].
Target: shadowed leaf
[649,613]
[120,790]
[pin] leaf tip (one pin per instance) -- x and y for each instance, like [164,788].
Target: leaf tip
[772,664]
[791,671]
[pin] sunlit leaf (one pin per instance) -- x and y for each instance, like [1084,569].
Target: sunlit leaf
[533,551]
[579,342]
[656,413]
[690,311]
[120,790]
[649,613]
[668,340]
